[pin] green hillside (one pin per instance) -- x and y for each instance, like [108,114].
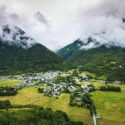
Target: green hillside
[70,49]
[108,62]
[15,60]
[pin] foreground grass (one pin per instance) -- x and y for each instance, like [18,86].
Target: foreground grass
[110,106]
[8,82]
[30,95]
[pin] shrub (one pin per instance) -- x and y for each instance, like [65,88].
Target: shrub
[5,104]
[110,88]
[7,91]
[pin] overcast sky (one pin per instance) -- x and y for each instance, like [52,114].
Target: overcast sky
[55,23]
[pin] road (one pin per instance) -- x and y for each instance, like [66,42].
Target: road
[94,119]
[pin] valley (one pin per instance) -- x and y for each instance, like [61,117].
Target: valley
[106,103]
[62,62]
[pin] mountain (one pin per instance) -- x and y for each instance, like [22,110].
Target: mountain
[77,45]
[20,53]
[88,42]
[103,58]
[104,61]
[70,49]
[13,35]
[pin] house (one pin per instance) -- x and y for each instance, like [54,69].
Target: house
[78,99]
[84,86]
[118,82]
[84,78]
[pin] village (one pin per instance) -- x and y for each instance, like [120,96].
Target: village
[57,82]
[54,83]
[61,84]
[35,79]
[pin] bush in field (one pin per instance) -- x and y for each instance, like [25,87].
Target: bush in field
[5,104]
[40,90]
[110,88]
[7,91]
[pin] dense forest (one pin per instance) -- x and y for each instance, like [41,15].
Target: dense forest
[17,60]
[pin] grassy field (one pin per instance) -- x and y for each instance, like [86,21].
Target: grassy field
[9,82]
[110,106]
[30,95]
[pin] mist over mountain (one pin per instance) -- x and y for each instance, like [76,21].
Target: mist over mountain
[73,20]
[20,53]
[89,42]
[13,35]
[104,58]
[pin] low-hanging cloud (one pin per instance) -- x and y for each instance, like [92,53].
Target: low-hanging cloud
[105,22]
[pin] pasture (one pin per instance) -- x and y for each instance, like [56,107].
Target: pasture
[110,106]
[29,95]
[4,83]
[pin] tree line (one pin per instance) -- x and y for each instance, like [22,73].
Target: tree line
[7,91]
[110,88]
[36,116]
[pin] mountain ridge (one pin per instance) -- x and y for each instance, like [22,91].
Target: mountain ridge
[14,35]
[105,60]
[87,42]
[18,56]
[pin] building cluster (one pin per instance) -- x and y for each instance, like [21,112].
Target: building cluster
[54,88]
[36,78]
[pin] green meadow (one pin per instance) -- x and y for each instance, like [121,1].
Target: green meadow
[110,106]
[29,95]
[8,82]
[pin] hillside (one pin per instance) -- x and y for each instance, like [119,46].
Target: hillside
[108,62]
[19,53]
[70,49]
[104,59]
[79,44]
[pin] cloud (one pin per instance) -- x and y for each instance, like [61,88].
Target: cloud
[6,17]
[14,16]
[59,22]
[114,8]
[40,17]
[3,16]
[105,19]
